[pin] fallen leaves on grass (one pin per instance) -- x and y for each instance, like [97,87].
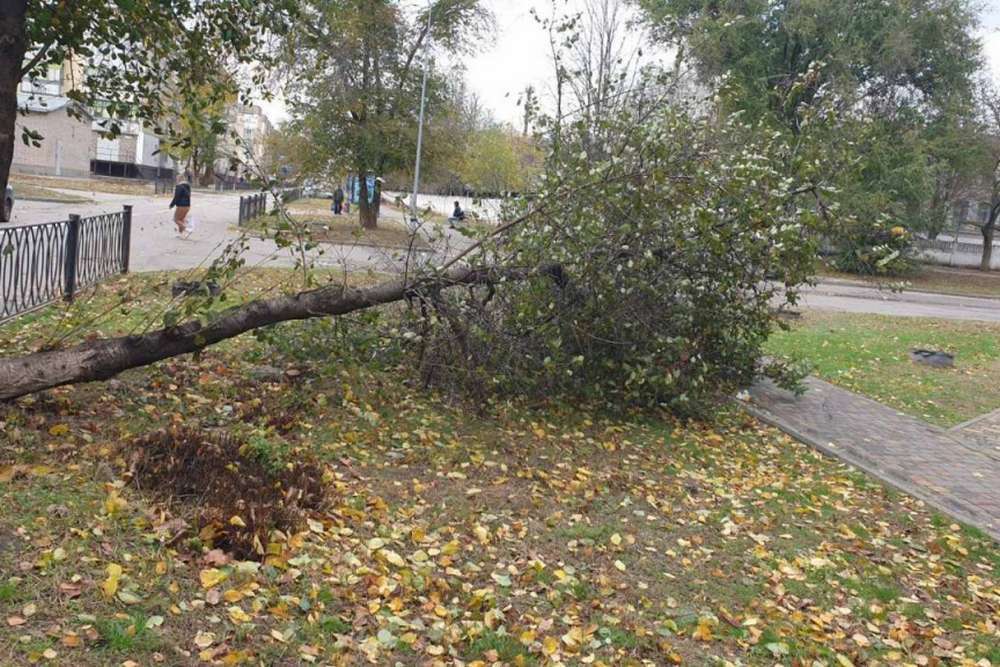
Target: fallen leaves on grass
[531,537]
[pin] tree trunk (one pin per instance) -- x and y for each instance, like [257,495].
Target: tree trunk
[13,45]
[104,359]
[989,230]
[369,212]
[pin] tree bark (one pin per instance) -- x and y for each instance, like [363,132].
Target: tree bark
[104,359]
[369,212]
[989,231]
[13,45]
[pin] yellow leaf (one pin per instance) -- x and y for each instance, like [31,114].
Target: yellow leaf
[616,539]
[114,503]
[237,521]
[59,429]
[110,585]
[482,534]
[550,645]
[703,632]
[237,615]
[620,565]
[204,639]
[527,637]
[393,558]
[212,577]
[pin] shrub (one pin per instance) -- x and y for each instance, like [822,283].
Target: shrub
[673,240]
[875,249]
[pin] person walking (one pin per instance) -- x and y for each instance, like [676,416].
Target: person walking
[181,203]
[338,200]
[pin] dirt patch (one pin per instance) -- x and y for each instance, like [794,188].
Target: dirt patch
[235,492]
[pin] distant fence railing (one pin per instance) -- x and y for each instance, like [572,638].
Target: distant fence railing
[290,195]
[43,263]
[255,206]
[225,185]
[252,206]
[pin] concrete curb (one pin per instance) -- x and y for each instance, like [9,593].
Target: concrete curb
[973,421]
[911,290]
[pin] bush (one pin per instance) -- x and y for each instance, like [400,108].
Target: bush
[673,241]
[236,492]
[878,249]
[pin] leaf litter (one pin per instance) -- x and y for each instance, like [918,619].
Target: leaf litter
[426,536]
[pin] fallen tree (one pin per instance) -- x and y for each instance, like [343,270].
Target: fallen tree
[104,359]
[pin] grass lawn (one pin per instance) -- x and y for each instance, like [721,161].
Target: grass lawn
[869,354]
[515,535]
[939,279]
[29,191]
[325,227]
[92,185]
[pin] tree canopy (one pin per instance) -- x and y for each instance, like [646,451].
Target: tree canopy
[355,78]
[139,56]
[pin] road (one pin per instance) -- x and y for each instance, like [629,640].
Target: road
[845,297]
[155,247]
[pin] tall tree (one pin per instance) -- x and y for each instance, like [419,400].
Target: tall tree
[888,78]
[355,67]
[135,51]
[989,106]
[882,55]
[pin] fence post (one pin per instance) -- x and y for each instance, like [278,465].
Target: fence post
[242,205]
[72,251]
[126,238]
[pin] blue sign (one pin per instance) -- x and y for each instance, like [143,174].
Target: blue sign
[354,187]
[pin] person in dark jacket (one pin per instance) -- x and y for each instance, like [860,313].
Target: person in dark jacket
[181,203]
[338,200]
[458,215]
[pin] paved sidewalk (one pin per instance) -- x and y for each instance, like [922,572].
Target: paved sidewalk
[958,477]
[982,432]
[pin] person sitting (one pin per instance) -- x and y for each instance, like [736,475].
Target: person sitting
[458,215]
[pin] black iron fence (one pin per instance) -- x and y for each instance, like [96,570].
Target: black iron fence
[163,186]
[255,206]
[232,184]
[40,264]
[290,195]
[252,206]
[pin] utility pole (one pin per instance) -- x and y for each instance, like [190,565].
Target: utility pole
[420,126]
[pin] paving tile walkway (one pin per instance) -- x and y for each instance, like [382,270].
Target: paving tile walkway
[982,432]
[957,472]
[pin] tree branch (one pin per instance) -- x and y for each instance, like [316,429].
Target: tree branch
[104,359]
[37,58]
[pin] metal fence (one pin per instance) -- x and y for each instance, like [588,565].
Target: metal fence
[252,206]
[163,186]
[255,206]
[290,195]
[40,264]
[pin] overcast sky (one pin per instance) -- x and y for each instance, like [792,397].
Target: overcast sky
[520,55]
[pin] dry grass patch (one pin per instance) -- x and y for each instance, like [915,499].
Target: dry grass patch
[91,185]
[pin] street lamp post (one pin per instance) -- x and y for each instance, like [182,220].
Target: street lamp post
[420,126]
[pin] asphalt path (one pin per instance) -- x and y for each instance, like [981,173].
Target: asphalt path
[156,247]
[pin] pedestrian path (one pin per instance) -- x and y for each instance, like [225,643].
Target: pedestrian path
[957,472]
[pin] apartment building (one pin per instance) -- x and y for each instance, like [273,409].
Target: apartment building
[64,125]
